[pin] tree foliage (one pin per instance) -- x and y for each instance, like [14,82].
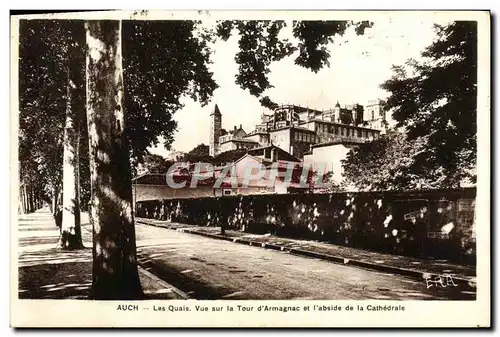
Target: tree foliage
[44,67]
[163,61]
[260,44]
[201,153]
[200,150]
[391,162]
[153,163]
[435,98]
[229,156]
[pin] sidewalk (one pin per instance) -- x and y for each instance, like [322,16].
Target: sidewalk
[49,273]
[402,265]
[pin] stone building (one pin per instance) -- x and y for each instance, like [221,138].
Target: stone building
[296,129]
[222,140]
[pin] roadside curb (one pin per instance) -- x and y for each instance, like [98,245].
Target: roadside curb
[415,274]
[164,284]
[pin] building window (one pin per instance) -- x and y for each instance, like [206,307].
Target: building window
[317,128]
[359,133]
[347,130]
[227,192]
[296,136]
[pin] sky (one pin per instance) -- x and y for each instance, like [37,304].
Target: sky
[358,65]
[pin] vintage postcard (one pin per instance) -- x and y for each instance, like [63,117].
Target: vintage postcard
[250,169]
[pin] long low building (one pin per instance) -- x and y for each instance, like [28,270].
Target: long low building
[271,160]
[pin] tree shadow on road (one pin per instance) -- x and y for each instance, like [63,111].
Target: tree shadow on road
[67,274]
[53,273]
[62,281]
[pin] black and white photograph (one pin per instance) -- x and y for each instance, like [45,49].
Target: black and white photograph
[170,166]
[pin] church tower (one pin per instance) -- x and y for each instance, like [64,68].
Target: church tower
[336,114]
[215,128]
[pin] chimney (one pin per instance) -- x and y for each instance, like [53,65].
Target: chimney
[240,127]
[235,127]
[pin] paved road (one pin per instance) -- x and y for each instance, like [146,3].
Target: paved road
[216,269]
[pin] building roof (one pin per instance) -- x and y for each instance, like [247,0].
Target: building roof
[341,124]
[267,161]
[216,111]
[295,127]
[238,140]
[255,132]
[339,142]
[302,129]
[297,108]
[280,152]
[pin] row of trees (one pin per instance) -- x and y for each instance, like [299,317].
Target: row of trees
[153,163]
[95,95]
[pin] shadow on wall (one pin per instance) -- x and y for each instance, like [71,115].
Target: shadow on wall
[433,224]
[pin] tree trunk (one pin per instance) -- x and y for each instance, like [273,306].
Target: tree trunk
[30,199]
[22,204]
[70,237]
[115,273]
[54,201]
[25,198]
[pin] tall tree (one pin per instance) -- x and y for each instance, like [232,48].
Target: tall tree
[41,103]
[51,106]
[71,237]
[115,274]
[436,98]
